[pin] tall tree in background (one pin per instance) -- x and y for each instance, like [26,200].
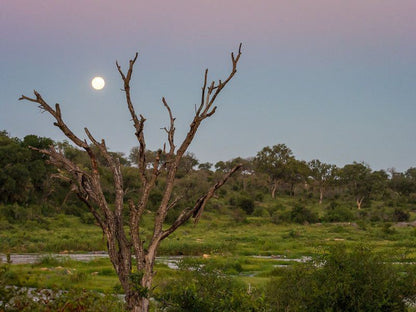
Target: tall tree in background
[298,172]
[273,161]
[322,174]
[24,175]
[124,246]
[357,178]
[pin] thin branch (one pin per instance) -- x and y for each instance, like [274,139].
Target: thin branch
[56,113]
[205,109]
[199,206]
[203,93]
[138,123]
[171,131]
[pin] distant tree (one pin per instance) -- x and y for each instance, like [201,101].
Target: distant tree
[205,166]
[226,166]
[24,175]
[186,165]
[403,183]
[273,161]
[297,173]
[323,174]
[87,183]
[379,181]
[242,177]
[357,178]
[411,173]
[39,170]
[15,181]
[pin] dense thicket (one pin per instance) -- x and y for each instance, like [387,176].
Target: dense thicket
[28,188]
[340,281]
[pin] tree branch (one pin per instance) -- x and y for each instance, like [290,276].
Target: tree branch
[202,113]
[199,206]
[171,130]
[138,124]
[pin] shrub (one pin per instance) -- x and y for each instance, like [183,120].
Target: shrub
[261,212]
[202,288]
[246,203]
[259,196]
[87,218]
[337,213]
[43,300]
[281,217]
[301,214]
[399,215]
[342,281]
[243,202]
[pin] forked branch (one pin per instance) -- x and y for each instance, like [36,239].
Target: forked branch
[199,206]
[87,184]
[138,123]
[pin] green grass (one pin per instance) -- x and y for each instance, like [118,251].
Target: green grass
[215,235]
[57,234]
[230,245]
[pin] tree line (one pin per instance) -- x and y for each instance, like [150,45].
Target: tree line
[27,179]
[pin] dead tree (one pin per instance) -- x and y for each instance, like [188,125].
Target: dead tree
[127,243]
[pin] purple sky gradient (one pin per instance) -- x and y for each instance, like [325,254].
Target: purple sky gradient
[333,80]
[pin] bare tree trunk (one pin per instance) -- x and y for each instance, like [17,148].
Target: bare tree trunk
[274,189]
[292,189]
[137,304]
[321,195]
[86,184]
[359,202]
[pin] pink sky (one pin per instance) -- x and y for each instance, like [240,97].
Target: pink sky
[353,20]
[312,72]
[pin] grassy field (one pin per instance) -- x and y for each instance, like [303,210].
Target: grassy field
[252,250]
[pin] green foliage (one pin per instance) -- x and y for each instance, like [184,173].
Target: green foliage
[87,218]
[243,202]
[49,260]
[42,300]
[337,213]
[400,215]
[23,172]
[135,280]
[387,229]
[301,214]
[358,280]
[200,288]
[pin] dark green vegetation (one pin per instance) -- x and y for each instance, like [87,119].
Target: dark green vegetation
[306,191]
[318,210]
[341,281]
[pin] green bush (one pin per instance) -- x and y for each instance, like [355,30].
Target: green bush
[261,212]
[87,218]
[342,281]
[301,214]
[246,203]
[43,300]
[400,215]
[201,288]
[279,217]
[336,213]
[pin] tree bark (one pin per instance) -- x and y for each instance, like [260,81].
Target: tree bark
[86,184]
[359,202]
[274,189]
[321,195]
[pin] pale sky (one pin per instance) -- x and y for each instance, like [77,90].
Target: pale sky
[333,80]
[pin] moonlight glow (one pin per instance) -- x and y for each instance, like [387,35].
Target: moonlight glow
[98,83]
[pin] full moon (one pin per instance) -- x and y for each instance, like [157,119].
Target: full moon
[98,83]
